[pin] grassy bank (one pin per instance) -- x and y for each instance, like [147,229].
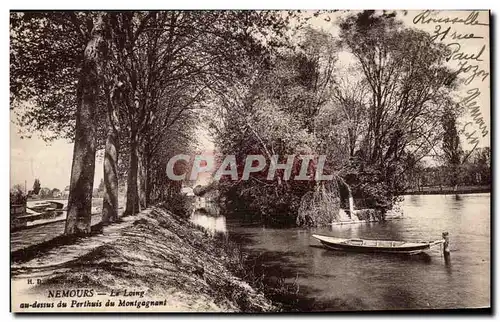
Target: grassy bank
[157,252]
[449,190]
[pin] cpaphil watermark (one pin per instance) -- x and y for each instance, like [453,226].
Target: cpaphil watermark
[289,167]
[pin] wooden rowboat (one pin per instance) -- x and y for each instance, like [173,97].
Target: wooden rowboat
[376,246]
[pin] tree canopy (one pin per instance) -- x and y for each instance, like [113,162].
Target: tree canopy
[138,84]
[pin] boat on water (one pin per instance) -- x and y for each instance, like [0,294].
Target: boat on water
[376,246]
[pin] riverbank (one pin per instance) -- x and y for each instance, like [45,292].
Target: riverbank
[329,280]
[163,260]
[449,190]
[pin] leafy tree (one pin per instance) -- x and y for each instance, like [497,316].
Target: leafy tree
[350,99]
[55,89]
[17,195]
[45,51]
[140,67]
[82,171]
[36,186]
[172,61]
[482,162]
[451,147]
[45,192]
[276,110]
[408,88]
[55,192]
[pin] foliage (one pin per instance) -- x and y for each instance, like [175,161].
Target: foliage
[473,171]
[46,50]
[319,207]
[368,186]
[55,192]
[273,112]
[452,150]
[45,192]
[17,195]
[374,128]
[36,186]
[156,74]
[408,89]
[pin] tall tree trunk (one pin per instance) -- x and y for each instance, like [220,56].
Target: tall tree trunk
[110,204]
[352,141]
[147,161]
[141,178]
[132,187]
[82,169]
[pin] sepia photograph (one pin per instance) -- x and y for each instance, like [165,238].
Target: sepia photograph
[250,161]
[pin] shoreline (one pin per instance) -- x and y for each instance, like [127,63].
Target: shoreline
[450,191]
[155,252]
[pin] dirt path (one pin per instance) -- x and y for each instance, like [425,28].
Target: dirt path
[155,253]
[66,253]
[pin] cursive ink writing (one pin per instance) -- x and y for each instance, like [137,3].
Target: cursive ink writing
[470,136]
[472,70]
[441,33]
[471,20]
[468,59]
[464,62]
[457,54]
[471,104]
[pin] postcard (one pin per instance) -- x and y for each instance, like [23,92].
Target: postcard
[250,161]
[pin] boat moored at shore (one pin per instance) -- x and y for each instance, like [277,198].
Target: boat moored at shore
[376,246]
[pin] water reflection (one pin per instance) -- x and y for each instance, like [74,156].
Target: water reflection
[389,230]
[415,200]
[424,257]
[340,280]
[447,263]
[213,223]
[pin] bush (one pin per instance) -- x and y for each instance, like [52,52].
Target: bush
[179,204]
[371,187]
[320,207]
[17,197]
[271,204]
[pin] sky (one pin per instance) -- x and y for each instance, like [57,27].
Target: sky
[462,48]
[51,162]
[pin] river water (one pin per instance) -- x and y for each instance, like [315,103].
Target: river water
[36,235]
[330,280]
